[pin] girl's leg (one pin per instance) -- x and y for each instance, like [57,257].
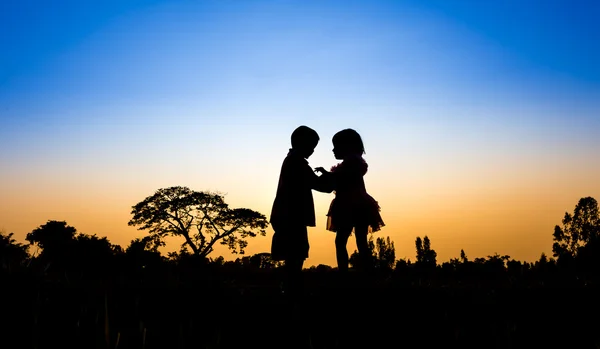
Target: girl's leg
[341,253]
[366,257]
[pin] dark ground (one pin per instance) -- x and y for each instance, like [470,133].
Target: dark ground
[250,312]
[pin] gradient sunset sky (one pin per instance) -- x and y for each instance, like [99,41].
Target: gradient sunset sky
[481,119]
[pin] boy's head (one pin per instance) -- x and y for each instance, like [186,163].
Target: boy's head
[304,140]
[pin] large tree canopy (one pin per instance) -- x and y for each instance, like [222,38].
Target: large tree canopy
[201,218]
[53,236]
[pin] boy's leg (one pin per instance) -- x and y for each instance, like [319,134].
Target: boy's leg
[293,282]
[296,251]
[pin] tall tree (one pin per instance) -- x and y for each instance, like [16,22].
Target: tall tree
[201,218]
[385,253]
[382,254]
[425,255]
[578,229]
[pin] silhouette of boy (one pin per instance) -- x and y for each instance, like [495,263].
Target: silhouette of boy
[293,208]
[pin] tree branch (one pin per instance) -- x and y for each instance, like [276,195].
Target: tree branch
[218,237]
[183,231]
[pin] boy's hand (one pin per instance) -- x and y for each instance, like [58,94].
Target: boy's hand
[320,169]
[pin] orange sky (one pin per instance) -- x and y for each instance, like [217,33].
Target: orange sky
[497,214]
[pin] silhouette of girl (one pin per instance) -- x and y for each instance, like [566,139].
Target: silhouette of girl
[352,208]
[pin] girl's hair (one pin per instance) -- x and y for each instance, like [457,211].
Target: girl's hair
[350,140]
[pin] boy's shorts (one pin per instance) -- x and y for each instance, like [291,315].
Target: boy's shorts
[289,242]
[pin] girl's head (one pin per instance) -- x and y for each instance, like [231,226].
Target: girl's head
[347,142]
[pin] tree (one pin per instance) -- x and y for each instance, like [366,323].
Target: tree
[93,254]
[201,218]
[382,251]
[52,237]
[497,262]
[516,268]
[542,261]
[148,243]
[403,265]
[578,230]
[65,249]
[322,268]
[260,261]
[544,264]
[12,253]
[143,252]
[425,255]
[385,253]
[56,240]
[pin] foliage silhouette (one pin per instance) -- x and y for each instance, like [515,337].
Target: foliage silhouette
[52,237]
[426,256]
[383,254]
[96,294]
[579,230]
[13,254]
[63,249]
[201,218]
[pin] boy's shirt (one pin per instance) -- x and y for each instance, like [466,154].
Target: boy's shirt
[294,203]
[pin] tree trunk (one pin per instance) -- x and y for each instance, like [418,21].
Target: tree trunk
[191,243]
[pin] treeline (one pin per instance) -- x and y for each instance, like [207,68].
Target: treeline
[63,288]
[57,251]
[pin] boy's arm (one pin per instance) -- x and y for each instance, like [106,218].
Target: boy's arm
[323,183]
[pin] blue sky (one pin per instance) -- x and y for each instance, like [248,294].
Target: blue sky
[294,55]
[555,37]
[140,94]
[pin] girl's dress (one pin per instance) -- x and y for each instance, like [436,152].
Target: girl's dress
[352,205]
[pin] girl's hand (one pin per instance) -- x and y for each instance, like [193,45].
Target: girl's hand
[320,169]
